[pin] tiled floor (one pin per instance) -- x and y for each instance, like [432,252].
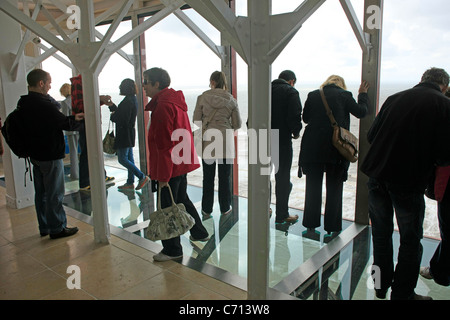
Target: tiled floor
[35,267]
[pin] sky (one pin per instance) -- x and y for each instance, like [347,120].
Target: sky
[415,37]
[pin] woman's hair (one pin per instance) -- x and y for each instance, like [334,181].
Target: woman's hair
[127,87]
[65,90]
[447,93]
[337,80]
[158,75]
[219,78]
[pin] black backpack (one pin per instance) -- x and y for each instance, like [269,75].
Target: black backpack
[14,133]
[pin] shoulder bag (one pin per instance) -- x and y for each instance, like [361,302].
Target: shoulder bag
[343,140]
[169,222]
[108,141]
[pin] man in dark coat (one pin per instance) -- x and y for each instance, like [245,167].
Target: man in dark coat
[287,119]
[410,135]
[44,124]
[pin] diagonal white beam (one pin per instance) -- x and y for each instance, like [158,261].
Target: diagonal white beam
[218,50]
[25,38]
[35,27]
[285,26]
[234,29]
[136,32]
[55,24]
[361,36]
[112,28]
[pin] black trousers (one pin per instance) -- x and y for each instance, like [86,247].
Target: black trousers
[440,263]
[283,185]
[172,247]
[209,174]
[335,177]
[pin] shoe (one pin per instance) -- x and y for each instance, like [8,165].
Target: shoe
[88,188]
[380,293]
[426,273]
[227,212]
[109,179]
[291,219]
[202,240]
[419,297]
[44,234]
[206,216]
[142,182]
[126,186]
[66,232]
[161,257]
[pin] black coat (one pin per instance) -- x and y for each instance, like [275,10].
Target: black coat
[410,134]
[286,111]
[124,116]
[44,125]
[316,142]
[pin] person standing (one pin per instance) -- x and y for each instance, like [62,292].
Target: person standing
[287,119]
[409,136]
[319,156]
[168,164]
[124,116]
[218,111]
[72,136]
[45,124]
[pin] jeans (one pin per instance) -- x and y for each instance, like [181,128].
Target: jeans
[178,185]
[409,205]
[49,195]
[209,173]
[440,262]
[126,159]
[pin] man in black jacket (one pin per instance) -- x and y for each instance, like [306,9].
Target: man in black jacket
[287,119]
[44,124]
[408,137]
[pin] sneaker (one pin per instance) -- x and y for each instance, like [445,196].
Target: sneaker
[88,188]
[426,273]
[126,186]
[109,179]
[161,257]
[142,182]
[419,297]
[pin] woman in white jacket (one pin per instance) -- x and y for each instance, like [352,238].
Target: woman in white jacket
[218,112]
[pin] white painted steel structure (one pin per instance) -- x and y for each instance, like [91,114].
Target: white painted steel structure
[258,38]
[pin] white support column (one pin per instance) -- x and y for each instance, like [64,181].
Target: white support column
[259,12]
[18,195]
[373,24]
[91,101]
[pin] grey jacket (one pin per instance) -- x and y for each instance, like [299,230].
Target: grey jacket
[218,112]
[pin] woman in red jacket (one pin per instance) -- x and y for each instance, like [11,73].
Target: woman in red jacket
[172,153]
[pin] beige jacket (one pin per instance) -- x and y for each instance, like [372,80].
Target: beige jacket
[218,112]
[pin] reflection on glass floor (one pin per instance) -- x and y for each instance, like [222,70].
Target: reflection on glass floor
[344,276]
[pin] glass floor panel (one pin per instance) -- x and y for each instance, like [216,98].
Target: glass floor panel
[226,251]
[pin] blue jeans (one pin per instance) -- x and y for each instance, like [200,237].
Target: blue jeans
[126,158]
[49,195]
[409,205]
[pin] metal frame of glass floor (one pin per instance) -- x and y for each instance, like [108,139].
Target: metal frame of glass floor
[302,265]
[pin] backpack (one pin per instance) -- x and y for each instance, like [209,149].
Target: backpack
[13,131]
[14,134]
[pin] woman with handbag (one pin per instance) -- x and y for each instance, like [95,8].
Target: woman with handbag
[124,116]
[172,154]
[319,156]
[218,112]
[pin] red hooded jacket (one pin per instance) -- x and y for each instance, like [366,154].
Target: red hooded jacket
[170,140]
